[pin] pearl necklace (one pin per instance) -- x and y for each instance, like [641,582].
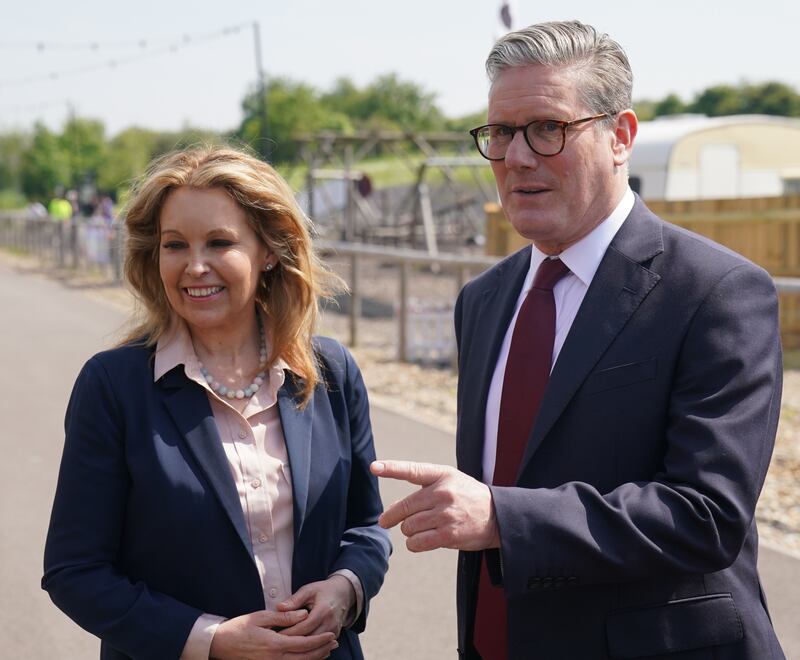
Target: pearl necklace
[253,387]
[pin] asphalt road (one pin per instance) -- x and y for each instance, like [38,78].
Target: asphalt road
[47,331]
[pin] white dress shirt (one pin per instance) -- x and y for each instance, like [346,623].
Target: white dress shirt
[583,259]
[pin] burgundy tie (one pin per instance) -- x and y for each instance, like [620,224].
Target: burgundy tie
[524,382]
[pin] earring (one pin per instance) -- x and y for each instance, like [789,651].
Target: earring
[267,268]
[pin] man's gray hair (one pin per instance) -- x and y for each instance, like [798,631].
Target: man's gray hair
[607,79]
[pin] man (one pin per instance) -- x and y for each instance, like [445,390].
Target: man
[604,508]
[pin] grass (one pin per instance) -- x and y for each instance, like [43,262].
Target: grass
[12,199]
[392,171]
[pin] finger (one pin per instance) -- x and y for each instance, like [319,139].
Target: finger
[421,474]
[313,624]
[268,619]
[306,644]
[299,598]
[408,506]
[425,541]
[422,521]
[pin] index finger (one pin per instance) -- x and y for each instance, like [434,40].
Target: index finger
[304,644]
[421,474]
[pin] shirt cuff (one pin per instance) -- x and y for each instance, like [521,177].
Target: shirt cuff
[356,610]
[198,644]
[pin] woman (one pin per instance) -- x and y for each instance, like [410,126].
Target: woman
[214,498]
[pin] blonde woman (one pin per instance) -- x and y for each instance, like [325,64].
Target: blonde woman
[214,498]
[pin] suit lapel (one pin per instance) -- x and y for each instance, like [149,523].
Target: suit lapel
[619,286]
[297,431]
[188,406]
[493,316]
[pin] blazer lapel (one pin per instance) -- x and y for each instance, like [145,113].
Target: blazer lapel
[618,288]
[493,316]
[188,406]
[297,427]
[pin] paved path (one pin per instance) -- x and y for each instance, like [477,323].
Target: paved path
[46,333]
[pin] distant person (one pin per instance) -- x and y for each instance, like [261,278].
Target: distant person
[106,210]
[72,197]
[214,497]
[619,391]
[37,210]
[59,208]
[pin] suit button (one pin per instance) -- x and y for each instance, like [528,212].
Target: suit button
[534,583]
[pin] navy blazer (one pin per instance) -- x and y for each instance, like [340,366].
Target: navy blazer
[630,532]
[147,531]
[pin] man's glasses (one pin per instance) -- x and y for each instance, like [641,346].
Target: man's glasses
[545,137]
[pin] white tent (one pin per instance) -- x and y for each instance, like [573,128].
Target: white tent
[699,157]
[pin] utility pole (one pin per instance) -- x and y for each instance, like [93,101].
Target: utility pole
[263,141]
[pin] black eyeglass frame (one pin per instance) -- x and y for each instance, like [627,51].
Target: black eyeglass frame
[564,125]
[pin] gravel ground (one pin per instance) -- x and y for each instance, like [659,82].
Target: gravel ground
[428,393]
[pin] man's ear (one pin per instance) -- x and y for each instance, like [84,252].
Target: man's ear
[624,133]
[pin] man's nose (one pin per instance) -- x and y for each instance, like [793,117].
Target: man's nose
[519,154]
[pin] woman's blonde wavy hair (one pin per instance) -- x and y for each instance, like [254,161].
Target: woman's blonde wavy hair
[288,295]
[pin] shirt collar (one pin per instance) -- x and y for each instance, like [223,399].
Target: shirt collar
[175,348]
[583,258]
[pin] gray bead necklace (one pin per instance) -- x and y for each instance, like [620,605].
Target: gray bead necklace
[253,387]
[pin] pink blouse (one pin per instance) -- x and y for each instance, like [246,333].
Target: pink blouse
[256,450]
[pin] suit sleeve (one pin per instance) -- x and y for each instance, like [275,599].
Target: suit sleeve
[87,530]
[694,514]
[365,546]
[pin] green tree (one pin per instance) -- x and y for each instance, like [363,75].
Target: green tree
[466,122]
[12,147]
[126,158]
[188,136]
[401,104]
[44,166]
[84,143]
[719,100]
[645,109]
[345,98]
[772,98]
[292,108]
[669,105]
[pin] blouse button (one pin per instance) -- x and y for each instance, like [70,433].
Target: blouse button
[262,538]
[255,483]
[242,434]
[273,593]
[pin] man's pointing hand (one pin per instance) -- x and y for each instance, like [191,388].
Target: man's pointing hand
[450,510]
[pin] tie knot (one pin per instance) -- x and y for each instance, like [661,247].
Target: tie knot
[550,271]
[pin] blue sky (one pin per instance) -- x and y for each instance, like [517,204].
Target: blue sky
[680,46]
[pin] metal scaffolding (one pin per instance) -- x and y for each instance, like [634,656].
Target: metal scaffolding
[340,197]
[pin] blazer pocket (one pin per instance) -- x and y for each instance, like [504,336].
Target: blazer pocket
[624,374]
[679,625]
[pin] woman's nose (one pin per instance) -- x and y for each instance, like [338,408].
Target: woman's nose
[197,265]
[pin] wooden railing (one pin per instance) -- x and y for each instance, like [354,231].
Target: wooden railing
[61,246]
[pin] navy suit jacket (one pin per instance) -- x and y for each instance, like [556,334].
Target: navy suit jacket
[630,532]
[147,531]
